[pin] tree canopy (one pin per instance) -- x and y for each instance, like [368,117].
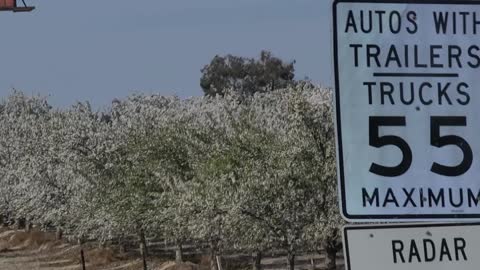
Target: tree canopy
[246,76]
[239,173]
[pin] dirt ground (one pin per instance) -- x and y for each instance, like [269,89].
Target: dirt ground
[38,250]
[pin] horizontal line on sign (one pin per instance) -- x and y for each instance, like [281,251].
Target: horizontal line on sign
[444,75]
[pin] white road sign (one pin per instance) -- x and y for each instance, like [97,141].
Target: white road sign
[408,109]
[412,247]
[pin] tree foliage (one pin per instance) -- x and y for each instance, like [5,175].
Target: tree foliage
[240,173]
[246,76]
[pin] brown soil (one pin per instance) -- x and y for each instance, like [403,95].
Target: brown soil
[178,266]
[38,250]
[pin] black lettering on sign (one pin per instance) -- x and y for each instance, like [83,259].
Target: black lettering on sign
[436,140]
[379,141]
[393,56]
[454,53]
[420,198]
[441,22]
[380,21]
[397,248]
[475,23]
[460,90]
[464,20]
[442,93]
[423,100]
[452,199]
[438,200]
[409,197]
[404,100]
[429,250]
[373,199]
[370,89]
[380,14]
[390,198]
[414,252]
[452,22]
[386,90]
[474,56]
[417,93]
[473,198]
[411,18]
[416,57]
[460,245]
[437,56]
[440,141]
[351,23]
[434,56]
[395,22]
[355,52]
[373,54]
[366,28]
[444,251]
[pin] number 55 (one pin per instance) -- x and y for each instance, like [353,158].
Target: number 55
[435,140]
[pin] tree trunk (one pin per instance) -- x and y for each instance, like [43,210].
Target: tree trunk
[143,249]
[257,260]
[213,257]
[178,252]
[82,254]
[331,258]
[219,262]
[19,223]
[291,260]
[312,264]
[122,247]
[331,248]
[5,220]
[102,244]
[59,234]
[28,225]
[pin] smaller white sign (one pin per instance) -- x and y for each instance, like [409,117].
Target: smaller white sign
[412,247]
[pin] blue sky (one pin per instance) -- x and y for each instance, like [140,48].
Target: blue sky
[99,50]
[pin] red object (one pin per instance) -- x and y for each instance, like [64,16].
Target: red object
[11,5]
[8,4]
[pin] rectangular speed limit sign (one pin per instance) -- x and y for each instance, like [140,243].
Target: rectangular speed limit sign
[408,109]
